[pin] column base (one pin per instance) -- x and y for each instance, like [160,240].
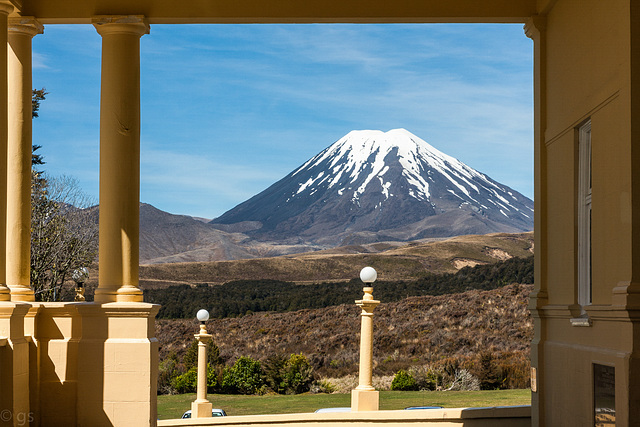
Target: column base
[201,409]
[102,296]
[364,400]
[129,294]
[124,294]
[5,293]
[22,294]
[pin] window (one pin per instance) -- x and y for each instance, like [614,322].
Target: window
[584,215]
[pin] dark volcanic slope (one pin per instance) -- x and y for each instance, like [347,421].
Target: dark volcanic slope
[163,236]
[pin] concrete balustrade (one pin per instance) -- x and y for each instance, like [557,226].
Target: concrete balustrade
[509,416]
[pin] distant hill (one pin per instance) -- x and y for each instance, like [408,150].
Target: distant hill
[373,186]
[164,236]
[169,238]
[393,260]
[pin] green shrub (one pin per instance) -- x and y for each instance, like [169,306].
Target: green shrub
[188,382]
[274,368]
[288,376]
[489,373]
[322,386]
[426,378]
[168,370]
[244,377]
[403,381]
[298,375]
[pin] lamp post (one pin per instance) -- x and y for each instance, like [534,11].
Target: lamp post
[201,407]
[365,397]
[80,276]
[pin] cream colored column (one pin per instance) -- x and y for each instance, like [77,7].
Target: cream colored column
[365,397]
[535,29]
[201,407]
[21,31]
[119,157]
[5,10]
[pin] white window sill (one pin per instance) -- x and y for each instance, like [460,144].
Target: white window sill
[582,321]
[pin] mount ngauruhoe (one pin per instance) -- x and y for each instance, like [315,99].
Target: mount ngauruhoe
[375,186]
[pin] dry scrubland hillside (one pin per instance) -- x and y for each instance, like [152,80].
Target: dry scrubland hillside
[442,332]
[393,261]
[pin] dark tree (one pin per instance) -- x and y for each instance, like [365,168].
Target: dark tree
[37,96]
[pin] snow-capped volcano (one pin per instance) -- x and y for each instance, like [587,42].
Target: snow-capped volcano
[372,185]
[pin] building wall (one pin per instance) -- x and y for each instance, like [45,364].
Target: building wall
[586,76]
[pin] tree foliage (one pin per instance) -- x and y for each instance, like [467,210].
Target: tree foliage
[404,381]
[37,96]
[64,235]
[237,298]
[288,376]
[191,356]
[244,377]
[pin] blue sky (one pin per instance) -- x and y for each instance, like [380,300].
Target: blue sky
[227,110]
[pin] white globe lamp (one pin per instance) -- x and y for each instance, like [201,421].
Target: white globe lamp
[202,315]
[368,275]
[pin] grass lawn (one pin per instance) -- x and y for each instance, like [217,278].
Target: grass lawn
[170,407]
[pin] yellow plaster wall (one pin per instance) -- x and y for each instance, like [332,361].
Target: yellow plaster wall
[561,223]
[587,52]
[14,362]
[57,336]
[611,200]
[587,76]
[573,351]
[586,56]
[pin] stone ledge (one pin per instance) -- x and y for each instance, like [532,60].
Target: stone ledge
[512,416]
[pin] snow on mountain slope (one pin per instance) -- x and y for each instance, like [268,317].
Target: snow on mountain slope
[375,182]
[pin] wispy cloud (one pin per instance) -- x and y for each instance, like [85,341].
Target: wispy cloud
[229,109]
[189,177]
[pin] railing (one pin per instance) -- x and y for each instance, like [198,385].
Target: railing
[505,416]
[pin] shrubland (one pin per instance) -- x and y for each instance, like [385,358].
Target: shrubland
[458,339]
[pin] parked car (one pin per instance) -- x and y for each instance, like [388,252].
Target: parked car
[325,410]
[214,413]
[423,407]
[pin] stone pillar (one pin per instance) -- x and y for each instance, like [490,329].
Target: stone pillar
[535,29]
[117,365]
[5,10]
[365,397]
[119,157]
[201,407]
[14,365]
[58,335]
[21,31]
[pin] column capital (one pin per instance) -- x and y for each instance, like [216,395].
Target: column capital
[6,7]
[535,25]
[127,24]
[25,25]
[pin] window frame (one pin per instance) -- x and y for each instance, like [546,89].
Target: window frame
[585,280]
